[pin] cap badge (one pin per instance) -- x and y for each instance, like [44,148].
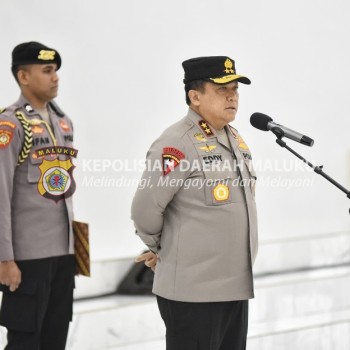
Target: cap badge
[46,55]
[228,66]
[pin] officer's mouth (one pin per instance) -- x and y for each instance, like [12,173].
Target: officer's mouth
[231,108]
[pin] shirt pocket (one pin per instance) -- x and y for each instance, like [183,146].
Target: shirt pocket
[33,170]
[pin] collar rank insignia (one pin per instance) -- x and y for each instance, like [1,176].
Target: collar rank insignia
[28,108]
[206,128]
[64,125]
[171,159]
[208,148]
[241,144]
[2,110]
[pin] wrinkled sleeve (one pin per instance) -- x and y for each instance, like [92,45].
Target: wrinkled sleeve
[10,147]
[157,187]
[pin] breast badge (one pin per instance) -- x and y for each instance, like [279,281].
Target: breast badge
[221,193]
[200,137]
[37,129]
[56,181]
[208,148]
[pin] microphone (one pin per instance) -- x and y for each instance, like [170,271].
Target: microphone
[263,122]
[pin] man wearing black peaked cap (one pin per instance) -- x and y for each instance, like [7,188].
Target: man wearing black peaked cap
[197,215]
[36,184]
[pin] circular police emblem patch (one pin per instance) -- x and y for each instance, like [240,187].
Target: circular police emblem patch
[221,192]
[5,138]
[56,181]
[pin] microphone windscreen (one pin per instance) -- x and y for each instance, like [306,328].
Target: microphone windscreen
[260,121]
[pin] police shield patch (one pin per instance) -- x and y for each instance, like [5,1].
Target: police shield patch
[56,180]
[6,137]
[171,159]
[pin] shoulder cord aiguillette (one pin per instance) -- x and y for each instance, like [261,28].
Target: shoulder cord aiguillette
[28,138]
[28,135]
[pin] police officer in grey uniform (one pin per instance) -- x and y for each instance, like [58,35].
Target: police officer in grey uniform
[36,183]
[195,209]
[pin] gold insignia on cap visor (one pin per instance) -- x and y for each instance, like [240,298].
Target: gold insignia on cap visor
[46,55]
[226,79]
[228,66]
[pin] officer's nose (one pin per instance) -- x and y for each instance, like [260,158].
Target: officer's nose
[232,96]
[56,77]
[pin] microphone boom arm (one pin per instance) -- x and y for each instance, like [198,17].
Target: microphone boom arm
[317,169]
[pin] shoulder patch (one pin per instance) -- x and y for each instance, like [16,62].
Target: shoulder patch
[7,123]
[171,159]
[6,137]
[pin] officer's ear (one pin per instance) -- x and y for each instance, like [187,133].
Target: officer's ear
[195,97]
[22,75]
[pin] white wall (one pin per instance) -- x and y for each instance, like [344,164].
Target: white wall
[121,83]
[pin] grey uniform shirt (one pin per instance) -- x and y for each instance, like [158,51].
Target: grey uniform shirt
[194,210]
[36,207]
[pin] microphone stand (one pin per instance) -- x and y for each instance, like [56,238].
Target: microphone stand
[317,169]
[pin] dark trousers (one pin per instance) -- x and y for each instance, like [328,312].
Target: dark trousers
[205,326]
[38,313]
